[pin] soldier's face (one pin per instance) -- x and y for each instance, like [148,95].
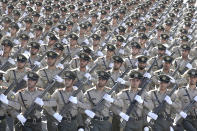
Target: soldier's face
[141,65]
[28,25]
[13,31]
[110,53]
[134,51]
[68,82]
[7,49]
[163,85]
[193,80]
[185,53]
[117,65]
[61,32]
[51,61]
[83,63]
[102,83]
[34,51]
[21,65]
[167,65]
[135,82]
[161,52]
[31,83]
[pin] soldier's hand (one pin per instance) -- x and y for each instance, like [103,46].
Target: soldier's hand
[4,99]
[183,114]
[90,113]
[39,101]
[21,118]
[73,99]
[108,98]
[195,98]
[153,115]
[124,116]
[168,100]
[139,99]
[57,116]
[58,79]
[147,75]
[121,81]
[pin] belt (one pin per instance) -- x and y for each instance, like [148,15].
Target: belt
[2,117]
[192,117]
[101,118]
[69,118]
[34,120]
[135,118]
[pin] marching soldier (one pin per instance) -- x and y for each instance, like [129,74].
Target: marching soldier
[26,97]
[186,95]
[94,95]
[68,118]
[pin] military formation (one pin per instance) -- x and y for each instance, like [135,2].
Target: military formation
[98,65]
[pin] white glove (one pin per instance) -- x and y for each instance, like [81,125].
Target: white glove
[103,44]
[65,41]
[25,78]
[146,129]
[124,116]
[41,42]
[16,41]
[99,53]
[168,100]
[168,52]
[81,129]
[4,99]
[121,81]
[1,52]
[90,113]
[111,65]
[153,115]
[189,66]
[171,128]
[86,41]
[130,38]
[138,99]
[88,76]
[58,79]
[8,34]
[19,25]
[183,114]
[56,29]
[31,35]
[11,61]
[172,80]
[73,99]
[195,98]
[39,101]
[147,75]
[61,66]
[21,118]
[123,44]
[121,51]
[57,116]
[75,88]
[108,98]
[37,63]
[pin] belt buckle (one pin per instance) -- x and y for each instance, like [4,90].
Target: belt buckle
[101,119]
[34,121]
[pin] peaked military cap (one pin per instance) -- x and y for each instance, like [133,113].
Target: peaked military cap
[121,28]
[120,38]
[103,75]
[14,25]
[28,20]
[118,59]
[141,28]
[84,56]
[69,23]
[38,27]
[83,26]
[73,36]
[35,45]
[135,74]
[184,38]
[24,37]
[111,47]
[192,73]
[33,76]
[52,36]
[86,49]
[136,45]
[7,42]
[49,22]
[161,47]
[130,24]
[185,47]
[160,28]
[52,54]
[69,75]
[164,36]
[96,37]
[7,20]
[143,36]
[48,8]
[168,59]
[103,28]
[21,58]
[142,59]
[62,27]
[16,12]
[63,9]
[164,78]
[59,46]
[72,7]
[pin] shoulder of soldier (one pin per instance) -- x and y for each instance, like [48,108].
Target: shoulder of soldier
[107,88]
[182,89]
[91,89]
[11,69]
[158,71]
[3,87]
[124,91]
[40,89]
[22,90]
[27,69]
[42,69]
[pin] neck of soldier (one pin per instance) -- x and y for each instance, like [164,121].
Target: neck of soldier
[166,70]
[83,69]
[31,89]
[21,69]
[100,88]
[6,54]
[51,67]
[69,89]
[185,57]
[162,90]
[134,89]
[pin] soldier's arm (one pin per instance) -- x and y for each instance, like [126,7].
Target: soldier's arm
[148,101]
[82,101]
[54,97]
[48,101]
[12,101]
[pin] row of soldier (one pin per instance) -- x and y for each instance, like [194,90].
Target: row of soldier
[150,38]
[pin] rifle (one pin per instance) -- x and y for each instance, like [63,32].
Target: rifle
[99,106]
[33,106]
[35,67]
[186,68]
